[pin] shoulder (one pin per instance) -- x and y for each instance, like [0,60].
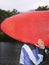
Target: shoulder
[25,45]
[31,46]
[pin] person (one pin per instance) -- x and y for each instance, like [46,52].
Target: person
[32,54]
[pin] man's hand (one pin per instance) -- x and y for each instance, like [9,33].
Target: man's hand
[40,44]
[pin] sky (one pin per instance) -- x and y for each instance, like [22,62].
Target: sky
[22,5]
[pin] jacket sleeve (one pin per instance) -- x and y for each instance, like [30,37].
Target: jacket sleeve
[21,57]
[40,55]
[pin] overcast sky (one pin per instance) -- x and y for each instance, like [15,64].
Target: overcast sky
[22,5]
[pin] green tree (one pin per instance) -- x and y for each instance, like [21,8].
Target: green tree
[42,8]
[14,12]
[3,15]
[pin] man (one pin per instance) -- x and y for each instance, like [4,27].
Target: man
[32,54]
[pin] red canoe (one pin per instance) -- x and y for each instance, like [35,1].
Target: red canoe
[28,27]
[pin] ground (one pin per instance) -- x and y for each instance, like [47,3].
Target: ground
[10,53]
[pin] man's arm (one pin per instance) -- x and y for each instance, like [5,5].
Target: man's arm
[41,50]
[21,62]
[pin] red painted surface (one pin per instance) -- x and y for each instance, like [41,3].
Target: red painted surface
[28,27]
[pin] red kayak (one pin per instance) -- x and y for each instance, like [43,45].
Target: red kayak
[28,27]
